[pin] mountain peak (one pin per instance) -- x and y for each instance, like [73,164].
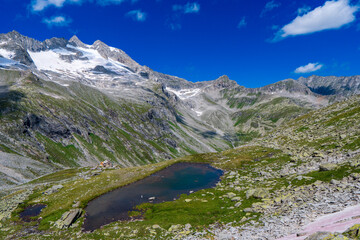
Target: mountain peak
[74,39]
[100,45]
[14,32]
[98,42]
[13,35]
[223,78]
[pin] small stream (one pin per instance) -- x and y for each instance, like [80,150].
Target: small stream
[165,185]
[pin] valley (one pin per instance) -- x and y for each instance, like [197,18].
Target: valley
[289,151]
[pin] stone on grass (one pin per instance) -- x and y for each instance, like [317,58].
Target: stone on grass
[327,167]
[68,218]
[258,193]
[53,189]
[155,226]
[236,199]
[238,204]
[175,228]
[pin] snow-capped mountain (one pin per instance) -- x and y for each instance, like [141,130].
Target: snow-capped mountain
[66,103]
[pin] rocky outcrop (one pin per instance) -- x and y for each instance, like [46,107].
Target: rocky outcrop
[258,193]
[68,218]
[46,126]
[332,85]
[327,167]
[9,204]
[53,189]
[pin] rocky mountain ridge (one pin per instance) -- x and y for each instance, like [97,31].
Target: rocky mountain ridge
[68,104]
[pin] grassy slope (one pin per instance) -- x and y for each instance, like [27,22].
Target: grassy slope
[210,205]
[330,130]
[207,206]
[110,129]
[259,113]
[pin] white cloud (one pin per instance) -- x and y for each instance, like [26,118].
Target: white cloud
[187,8]
[332,15]
[40,5]
[242,23]
[57,21]
[137,15]
[311,67]
[270,6]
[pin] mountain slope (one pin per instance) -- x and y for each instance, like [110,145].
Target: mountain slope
[69,104]
[266,192]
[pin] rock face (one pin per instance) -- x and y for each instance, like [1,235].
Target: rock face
[344,86]
[68,218]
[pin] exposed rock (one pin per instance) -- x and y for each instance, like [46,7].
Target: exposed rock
[320,236]
[46,126]
[327,167]
[53,189]
[68,218]
[355,163]
[156,226]
[175,228]
[259,193]
[354,231]
[9,204]
[236,199]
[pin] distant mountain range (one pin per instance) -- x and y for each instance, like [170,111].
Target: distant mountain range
[64,104]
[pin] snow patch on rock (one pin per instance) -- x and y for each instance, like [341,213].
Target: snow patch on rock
[185,93]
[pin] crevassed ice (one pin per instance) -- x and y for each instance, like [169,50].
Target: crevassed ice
[50,60]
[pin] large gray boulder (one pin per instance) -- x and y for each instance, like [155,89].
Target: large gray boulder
[68,218]
[327,167]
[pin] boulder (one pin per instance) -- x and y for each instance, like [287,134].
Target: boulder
[230,195]
[236,199]
[327,167]
[175,228]
[317,154]
[355,163]
[258,193]
[355,176]
[68,218]
[53,189]
[156,226]
[238,204]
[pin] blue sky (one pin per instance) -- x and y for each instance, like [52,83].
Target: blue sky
[253,42]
